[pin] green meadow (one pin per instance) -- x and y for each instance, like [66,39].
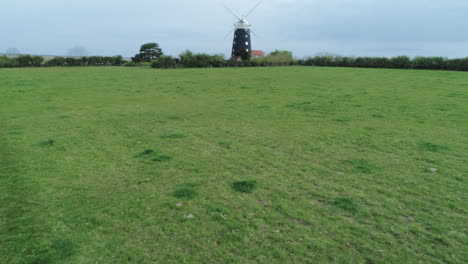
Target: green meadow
[236,165]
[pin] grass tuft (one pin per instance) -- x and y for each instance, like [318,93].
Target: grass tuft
[174,118]
[172,136]
[247,186]
[362,165]
[161,158]
[47,143]
[225,144]
[185,193]
[304,106]
[347,204]
[63,248]
[343,119]
[144,153]
[432,147]
[153,155]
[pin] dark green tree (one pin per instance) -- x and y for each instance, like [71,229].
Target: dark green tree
[164,62]
[148,52]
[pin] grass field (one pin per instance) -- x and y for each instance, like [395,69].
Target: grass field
[260,165]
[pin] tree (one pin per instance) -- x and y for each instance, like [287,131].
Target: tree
[164,62]
[137,58]
[24,60]
[148,52]
[400,62]
[37,61]
[186,58]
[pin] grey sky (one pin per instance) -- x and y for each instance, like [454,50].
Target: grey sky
[307,27]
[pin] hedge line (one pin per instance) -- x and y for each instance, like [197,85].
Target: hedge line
[401,62]
[38,61]
[202,60]
[190,60]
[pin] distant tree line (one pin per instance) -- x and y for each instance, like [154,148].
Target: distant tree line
[201,60]
[21,61]
[151,54]
[285,58]
[400,62]
[38,61]
[85,61]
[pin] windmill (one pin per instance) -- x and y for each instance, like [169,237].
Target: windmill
[241,44]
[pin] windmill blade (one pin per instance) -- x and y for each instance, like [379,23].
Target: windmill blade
[255,34]
[255,7]
[225,6]
[230,32]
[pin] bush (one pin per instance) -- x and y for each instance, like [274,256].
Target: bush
[323,61]
[457,64]
[164,62]
[400,62]
[24,60]
[85,61]
[370,62]
[202,60]
[6,62]
[131,64]
[279,58]
[429,63]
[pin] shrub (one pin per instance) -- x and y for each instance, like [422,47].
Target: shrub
[164,62]
[131,64]
[6,62]
[323,61]
[421,63]
[400,62]
[24,60]
[371,62]
[85,61]
[201,60]
[457,64]
[276,58]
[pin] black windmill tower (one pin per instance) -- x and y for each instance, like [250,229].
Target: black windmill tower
[242,43]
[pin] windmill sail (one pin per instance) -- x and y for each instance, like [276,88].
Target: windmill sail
[242,44]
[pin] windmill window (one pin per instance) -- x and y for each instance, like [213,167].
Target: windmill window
[247,50]
[247,43]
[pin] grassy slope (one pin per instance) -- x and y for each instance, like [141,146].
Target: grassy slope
[342,159]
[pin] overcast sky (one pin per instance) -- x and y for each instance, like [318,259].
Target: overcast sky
[306,27]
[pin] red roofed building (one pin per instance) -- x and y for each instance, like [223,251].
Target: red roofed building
[258,54]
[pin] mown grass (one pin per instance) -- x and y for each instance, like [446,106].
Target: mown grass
[261,165]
